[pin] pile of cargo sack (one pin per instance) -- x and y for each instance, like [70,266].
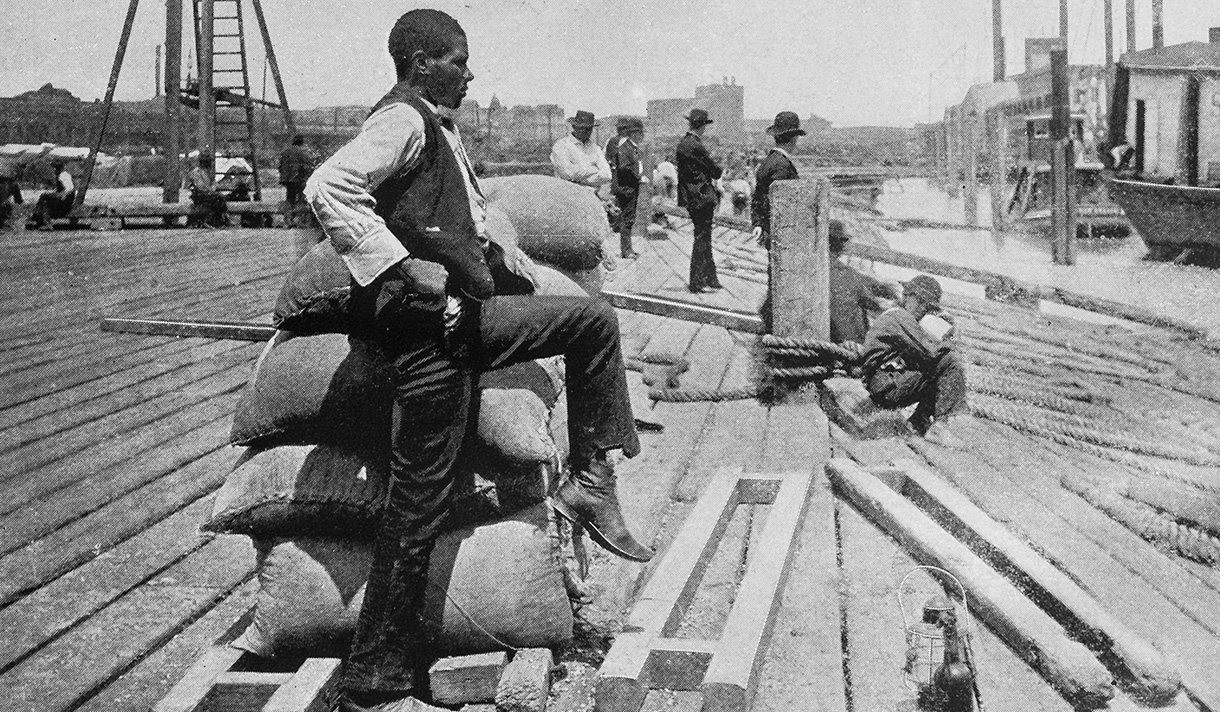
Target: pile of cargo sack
[315,424]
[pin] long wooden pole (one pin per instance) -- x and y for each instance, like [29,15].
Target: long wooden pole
[1108,11]
[173,104]
[1130,25]
[275,68]
[997,133]
[998,69]
[1063,18]
[1158,24]
[110,87]
[970,144]
[207,99]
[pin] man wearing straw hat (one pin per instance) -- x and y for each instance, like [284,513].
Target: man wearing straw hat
[777,165]
[697,192]
[576,158]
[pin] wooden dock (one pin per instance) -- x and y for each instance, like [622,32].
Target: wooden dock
[113,445]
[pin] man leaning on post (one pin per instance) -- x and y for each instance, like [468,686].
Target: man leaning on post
[402,206]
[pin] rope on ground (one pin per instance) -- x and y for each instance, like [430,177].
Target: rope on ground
[1146,521]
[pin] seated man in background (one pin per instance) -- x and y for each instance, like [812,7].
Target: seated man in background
[905,363]
[209,203]
[10,191]
[854,296]
[57,203]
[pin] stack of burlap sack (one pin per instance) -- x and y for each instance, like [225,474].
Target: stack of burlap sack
[315,422]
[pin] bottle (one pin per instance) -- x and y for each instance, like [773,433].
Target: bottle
[954,679]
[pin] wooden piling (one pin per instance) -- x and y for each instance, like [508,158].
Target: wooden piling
[800,258]
[173,104]
[970,144]
[997,136]
[1063,165]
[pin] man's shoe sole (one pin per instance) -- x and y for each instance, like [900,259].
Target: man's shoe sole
[594,533]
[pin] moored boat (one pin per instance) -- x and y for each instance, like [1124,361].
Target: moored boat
[1166,151]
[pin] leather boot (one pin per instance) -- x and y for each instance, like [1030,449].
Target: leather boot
[589,498]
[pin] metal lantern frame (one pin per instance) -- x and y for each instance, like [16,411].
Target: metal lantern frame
[926,639]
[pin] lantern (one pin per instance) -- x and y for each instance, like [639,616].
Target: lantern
[925,635]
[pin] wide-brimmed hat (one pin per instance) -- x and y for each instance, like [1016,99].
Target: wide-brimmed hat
[698,117]
[925,287]
[584,119]
[786,124]
[627,124]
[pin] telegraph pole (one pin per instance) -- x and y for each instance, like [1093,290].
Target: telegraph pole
[1130,25]
[998,69]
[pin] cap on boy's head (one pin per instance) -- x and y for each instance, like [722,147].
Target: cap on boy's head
[925,287]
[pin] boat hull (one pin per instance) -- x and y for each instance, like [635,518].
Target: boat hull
[1176,216]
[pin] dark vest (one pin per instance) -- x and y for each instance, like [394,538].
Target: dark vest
[432,194]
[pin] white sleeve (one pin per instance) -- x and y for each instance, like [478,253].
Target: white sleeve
[66,179]
[340,190]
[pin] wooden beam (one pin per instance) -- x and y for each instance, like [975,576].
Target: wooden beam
[686,311]
[172,147]
[1063,164]
[998,68]
[206,127]
[732,676]
[236,331]
[1154,681]
[1064,663]
[800,258]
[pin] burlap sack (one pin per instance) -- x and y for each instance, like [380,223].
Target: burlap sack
[556,222]
[504,575]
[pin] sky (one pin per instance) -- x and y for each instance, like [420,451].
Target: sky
[853,62]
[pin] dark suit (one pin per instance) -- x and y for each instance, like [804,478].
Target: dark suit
[625,170]
[697,193]
[776,166]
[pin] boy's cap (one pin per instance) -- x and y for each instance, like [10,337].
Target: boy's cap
[924,287]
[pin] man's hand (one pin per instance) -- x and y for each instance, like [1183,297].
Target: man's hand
[758,234]
[424,276]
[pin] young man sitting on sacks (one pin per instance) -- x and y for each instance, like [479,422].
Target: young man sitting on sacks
[909,359]
[402,207]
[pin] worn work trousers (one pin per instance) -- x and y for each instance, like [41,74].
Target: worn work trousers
[434,408]
[627,204]
[702,263]
[940,390]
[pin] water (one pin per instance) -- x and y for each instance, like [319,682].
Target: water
[1113,269]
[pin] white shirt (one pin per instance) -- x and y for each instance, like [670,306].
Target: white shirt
[340,190]
[65,179]
[580,162]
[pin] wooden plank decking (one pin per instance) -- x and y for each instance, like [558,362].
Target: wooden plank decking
[113,444]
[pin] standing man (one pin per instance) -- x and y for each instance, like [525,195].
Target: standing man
[296,164]
[403,208]
[576,158]
[698,193]
[777,165]
[627,168]
[57,203]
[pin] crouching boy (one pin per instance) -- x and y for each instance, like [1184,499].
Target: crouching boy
[906,362]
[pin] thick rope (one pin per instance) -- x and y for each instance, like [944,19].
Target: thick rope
[1149,523]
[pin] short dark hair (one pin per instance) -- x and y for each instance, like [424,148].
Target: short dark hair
[298,140]
[838,236]
[429,31]
[206,160]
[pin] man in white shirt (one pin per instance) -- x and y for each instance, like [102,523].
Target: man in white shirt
[576,158]
[57,203]
[402,207]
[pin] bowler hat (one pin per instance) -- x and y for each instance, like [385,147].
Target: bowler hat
[786,123]
[583,119]
[925,287]
[698,117]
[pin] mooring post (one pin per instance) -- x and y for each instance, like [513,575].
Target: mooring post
[800,258]
[1063,165]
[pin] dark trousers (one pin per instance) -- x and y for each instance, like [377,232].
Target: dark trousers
[294,203]
[208,208]
[702,263]
[627,204]
[433,412]
[940,390]
[50,207]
